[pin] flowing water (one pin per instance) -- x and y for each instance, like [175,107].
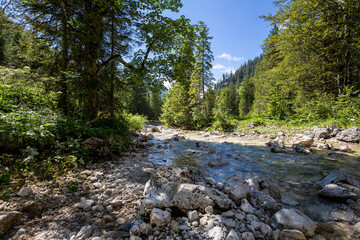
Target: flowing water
[296,174]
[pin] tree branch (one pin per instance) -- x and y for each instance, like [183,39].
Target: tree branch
[121,60]
[97,118]
[8,4]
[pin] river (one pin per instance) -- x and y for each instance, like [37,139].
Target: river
[248,156]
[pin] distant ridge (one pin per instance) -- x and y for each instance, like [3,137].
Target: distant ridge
[244,70]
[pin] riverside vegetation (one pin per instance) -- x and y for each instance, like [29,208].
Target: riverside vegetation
[78,79]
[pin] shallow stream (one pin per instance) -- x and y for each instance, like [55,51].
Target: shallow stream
[296,173]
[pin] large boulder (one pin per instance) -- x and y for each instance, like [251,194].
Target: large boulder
[333,130]
[8,220]
[340,186]
[267,202]
[349,135]
[339,177]
[237,188]
[155,130]
[183,196]
[336,192]
[96,147]
[294,219]
[321,132]
[269,186]
[301,139]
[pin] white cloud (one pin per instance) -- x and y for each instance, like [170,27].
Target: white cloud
[219,66]
[228,57]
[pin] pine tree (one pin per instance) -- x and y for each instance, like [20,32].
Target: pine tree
[202,77]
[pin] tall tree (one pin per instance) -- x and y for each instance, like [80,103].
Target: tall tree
[202,76]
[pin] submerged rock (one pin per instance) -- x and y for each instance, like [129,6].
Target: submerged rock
[219,162]
[294,219]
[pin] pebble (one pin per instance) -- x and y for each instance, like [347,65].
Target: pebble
[193,215]
[209,210]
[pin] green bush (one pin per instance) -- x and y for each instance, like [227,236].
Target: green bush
[135,121]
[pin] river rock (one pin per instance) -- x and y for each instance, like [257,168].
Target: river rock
[237,188]
[193,215]
[155,130]
[232,235]
[333,130]
[174,226]
[246,206]
[230,223]
[278,150]
[25,192]
[216,233]
[294,219]
[84,233]
[219,162]
[323,146]
[292,234]
[145,229]
[349,135]
[306,140]
[96,146]
[32,209]
[209,210]
[336,155]
[321,132]
[85,204]
[302,148]
[8,220]
[276,143]
[339,177]
[178,138]
[269,186]
[344,149]
[267,202]
[184,197]
[159,217]
[248,236]
[336,192]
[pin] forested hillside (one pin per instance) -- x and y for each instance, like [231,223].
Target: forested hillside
[308,72]
[247,69]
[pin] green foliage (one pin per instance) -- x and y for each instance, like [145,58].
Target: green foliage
[199,117]
[246,96]
[135,121]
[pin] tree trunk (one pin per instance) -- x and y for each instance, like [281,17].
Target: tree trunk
[63,102]
[93,24]
[112,78]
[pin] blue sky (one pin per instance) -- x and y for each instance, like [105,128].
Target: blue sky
[235,26]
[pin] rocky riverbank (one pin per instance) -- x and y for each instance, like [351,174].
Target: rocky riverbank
[130,197]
